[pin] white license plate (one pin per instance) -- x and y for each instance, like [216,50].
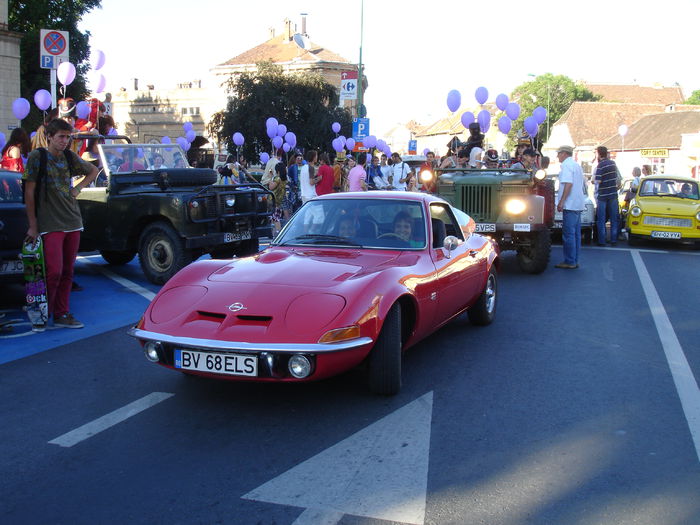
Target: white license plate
[237,236]
[230,364]
[666,235]
[481,228]
[521,227]
[11,267]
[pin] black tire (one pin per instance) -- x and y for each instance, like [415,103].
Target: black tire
[587,236]
[162,252]
[483,311]
[384,371]
[117,258]
[535,258]
[185,177]
[247,247]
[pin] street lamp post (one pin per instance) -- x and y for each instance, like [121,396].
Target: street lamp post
[360,112]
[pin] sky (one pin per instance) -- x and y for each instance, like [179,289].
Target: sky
[414,52]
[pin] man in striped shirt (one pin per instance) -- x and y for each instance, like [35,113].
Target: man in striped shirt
[606,184]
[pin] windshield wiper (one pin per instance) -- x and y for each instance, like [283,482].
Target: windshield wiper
[317,238]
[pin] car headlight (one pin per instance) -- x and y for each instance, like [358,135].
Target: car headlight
[299,366]
[197,209]
[540,174]
[426,176]
[697,216]
[515,206]
[636,211]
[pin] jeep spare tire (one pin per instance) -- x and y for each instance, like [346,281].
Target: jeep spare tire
[185,177]
[162,252]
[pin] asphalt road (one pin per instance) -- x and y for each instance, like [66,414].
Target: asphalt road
[579,405]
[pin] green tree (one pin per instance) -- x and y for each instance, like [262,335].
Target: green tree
[30,17]
[556,92]
[305,103]
[694,98]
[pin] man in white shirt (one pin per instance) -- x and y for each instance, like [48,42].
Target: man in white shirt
[571,204]
[401,172]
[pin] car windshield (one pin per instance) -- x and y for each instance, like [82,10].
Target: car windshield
[669,188]
[126,158]
[10,187]
[367,223]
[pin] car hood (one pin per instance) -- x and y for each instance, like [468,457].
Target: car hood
[668,206]
[304,267]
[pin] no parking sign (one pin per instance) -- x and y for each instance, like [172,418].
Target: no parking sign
[53,48]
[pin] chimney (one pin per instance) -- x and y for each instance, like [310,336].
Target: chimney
[136,84]
[272,33]
[303,24]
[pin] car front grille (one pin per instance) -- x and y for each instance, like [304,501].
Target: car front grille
[477,202]
[666,221]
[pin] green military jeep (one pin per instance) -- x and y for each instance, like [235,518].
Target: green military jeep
[147,200]
[515,207]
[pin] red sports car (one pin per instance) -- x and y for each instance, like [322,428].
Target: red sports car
[354,278]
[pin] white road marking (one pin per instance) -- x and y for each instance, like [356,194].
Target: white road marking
[109,420]
[685,382]
[126,283]
[318,517]
[380,472]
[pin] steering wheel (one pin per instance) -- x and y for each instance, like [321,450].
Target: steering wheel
[395,237]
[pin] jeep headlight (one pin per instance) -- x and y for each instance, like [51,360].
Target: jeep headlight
[515,206]
[636,211]
[540,174]
[197,209]
[426,176]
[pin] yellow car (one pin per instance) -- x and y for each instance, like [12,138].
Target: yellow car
[666,208]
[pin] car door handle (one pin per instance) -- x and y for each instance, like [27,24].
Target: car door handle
[473,253]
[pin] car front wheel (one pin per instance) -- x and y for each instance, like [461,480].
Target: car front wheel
[162,252]
[385,359]
[483,312]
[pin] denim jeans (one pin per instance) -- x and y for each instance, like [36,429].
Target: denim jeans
[607,208]
[571,235]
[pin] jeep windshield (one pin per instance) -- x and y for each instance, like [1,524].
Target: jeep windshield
[127,158]
[669,188]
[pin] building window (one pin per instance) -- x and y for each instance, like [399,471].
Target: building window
[184,111]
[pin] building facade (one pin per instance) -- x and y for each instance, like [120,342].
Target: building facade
[9,71]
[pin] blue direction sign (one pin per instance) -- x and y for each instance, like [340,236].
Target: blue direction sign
[360,129]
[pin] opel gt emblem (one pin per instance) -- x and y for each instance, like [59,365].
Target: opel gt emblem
[236,307]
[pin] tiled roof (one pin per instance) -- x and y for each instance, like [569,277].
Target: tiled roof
[662,130]
[281,49]
[638,94]
[452,124]
[590,123]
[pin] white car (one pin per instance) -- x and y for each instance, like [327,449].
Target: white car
[587,216]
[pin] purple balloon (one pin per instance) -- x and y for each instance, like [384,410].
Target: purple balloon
[467,118]
[82,109]
[281,130]
[65,73]
[187,146]
[31,136]
[272,131]
[165,140]
[350,144]
[264,157]
[2,140]
[20,108]
[531,126]
[504,125]
[381,144]
[426,151]
[182,141]
[191,135]
[370,141]
[97,58]
[343,140]
[484,120]
[97,82]
[335,127]
[238,139]
[482,95]
[454,100]
[513,110]
[277,142]
[337,146]
[42,99]
[272,121]
[187,126]
[286,147]
[540,114]
[502,101]
[290,138]
[112,131]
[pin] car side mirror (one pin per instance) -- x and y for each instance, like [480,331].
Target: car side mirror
[450,243]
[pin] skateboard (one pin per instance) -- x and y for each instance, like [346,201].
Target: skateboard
[32,256]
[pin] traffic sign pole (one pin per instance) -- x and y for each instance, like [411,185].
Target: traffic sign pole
[53,88]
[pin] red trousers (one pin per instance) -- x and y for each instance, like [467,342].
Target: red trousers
[60,250]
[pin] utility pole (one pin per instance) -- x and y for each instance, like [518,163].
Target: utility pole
[360,98]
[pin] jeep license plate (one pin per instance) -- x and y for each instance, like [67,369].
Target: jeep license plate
[666,235]
[237,236]
[521,227]
[482,228]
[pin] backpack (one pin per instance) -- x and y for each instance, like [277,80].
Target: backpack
[41,175]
